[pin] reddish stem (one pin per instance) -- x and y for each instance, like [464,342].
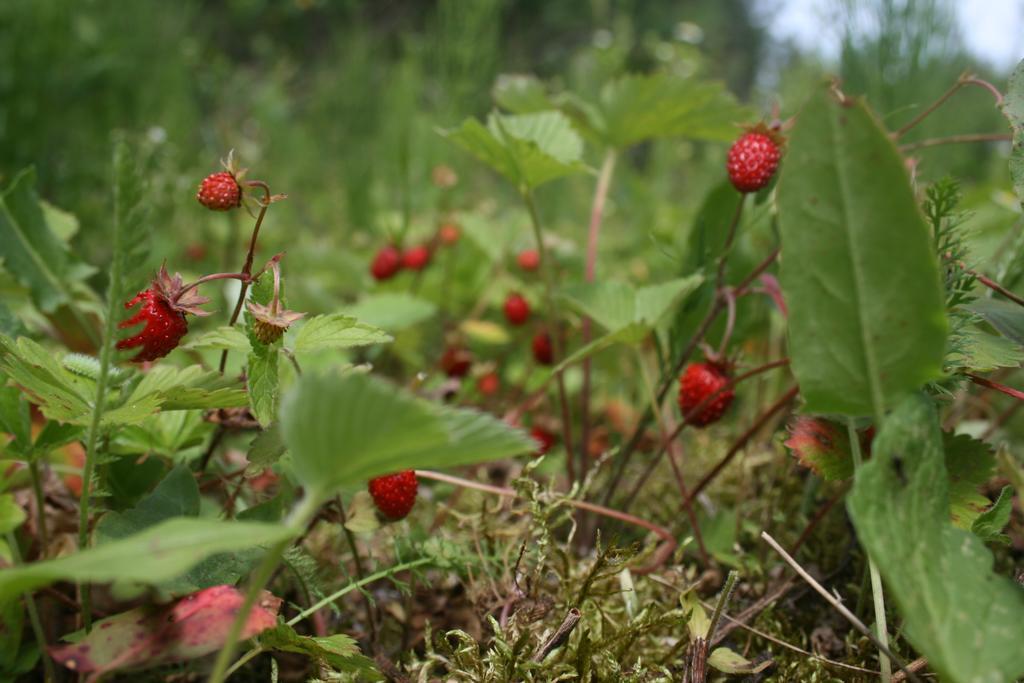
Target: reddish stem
[1009,391]
[247,268]
[664,551]
[244,277]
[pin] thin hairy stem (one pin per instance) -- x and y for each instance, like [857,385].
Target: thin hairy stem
[33,614]
[955,140]
[247,267]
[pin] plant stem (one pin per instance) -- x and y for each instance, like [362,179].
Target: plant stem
[956,139]
[360,574]
[244,277]
[593,232]
[965,79]
[994,286]
[1009,391]
[298,519]
[876,580]
[33,614]
[247,268]
[663,431]
[37,490]
[551,313]
[723,601]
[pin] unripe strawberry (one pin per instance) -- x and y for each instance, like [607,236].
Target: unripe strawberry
[529,260]
[754,158]
[517,309]
[271,322]
[543,352]
[456,361]
[395,494]
[416,258]
[449,234]
[488,384]
[386,263]
[545,440]
[698,382]
[220,191]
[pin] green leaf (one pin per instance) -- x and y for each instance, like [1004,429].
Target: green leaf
[527,149]
[267,448]
[167,433]
[346,429]
[263,383]
[990,524]
[176,496]
[58,393]
[1007,318]
[960,615]
[633,333]
[729,662]
[221,339]
[637,107]
[11,514]
[15,420]
[361,517]
[983,352]
[821,445]
[392,312]
[30,250]
[159,554]
[521,94]
[969,464]
[339,652]
[614,305]
[337,331]
[1013,109]
[867,319]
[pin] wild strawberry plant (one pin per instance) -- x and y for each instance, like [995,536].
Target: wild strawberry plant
[267,479]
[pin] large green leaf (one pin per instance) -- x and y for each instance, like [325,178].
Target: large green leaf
[345,429]
[159,554]
[640,107]
[960,615]
[983,352]
[527,149]
[29,248]
[220,339]
[866,307]
[1013,108]
[337,331]
[176,496]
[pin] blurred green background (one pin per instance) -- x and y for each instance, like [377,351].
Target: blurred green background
[337,104]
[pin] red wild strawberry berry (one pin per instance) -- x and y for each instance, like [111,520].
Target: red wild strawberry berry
[456,361]
[517,309]
[754,158]
[220,191]
[386,263]
[545,440]
[698,382]
[448,233]
[395,494]
[488,384]
[163,308]
[529,260]
[416,258]
[542,350]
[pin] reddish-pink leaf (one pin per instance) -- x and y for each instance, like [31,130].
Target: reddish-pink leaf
[821,445]
[193,626]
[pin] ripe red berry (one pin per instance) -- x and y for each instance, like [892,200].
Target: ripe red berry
[456,361]
[697,383]
[386,263]
[163,308]
[395,494]
[220,191]
[753,159]
[545,440]
[448,233]
[542,350]
[529,260]
[488,384]
[517,309]
[416,258]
